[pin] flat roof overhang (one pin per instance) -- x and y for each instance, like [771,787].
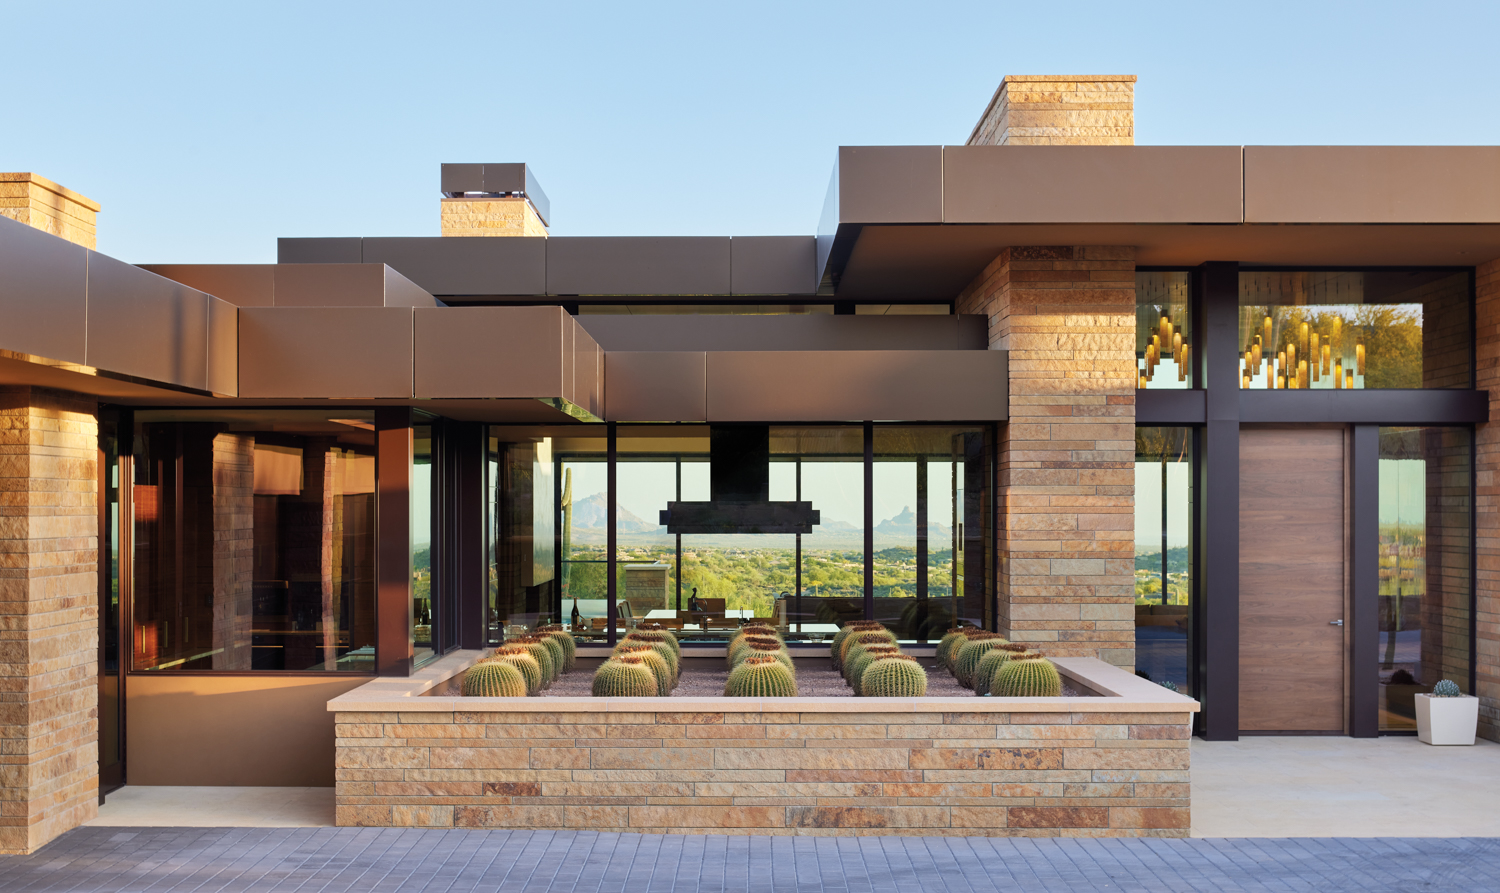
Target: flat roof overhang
[920,222]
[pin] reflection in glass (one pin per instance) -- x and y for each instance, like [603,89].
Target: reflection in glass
[423,605]
[254,541]
[1425,585]
[522,517]
[1354,330]
[1163,330]
[1163,565]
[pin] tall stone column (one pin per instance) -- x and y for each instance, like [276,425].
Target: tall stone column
[234,549]
[1487,500]
[49,615]
[1067,455]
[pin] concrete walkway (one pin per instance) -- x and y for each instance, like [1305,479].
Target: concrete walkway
[383,860]
[1344,787]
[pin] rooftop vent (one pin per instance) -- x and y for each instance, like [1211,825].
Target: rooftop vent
[739,489]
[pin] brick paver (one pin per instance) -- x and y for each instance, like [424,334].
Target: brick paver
[377,860]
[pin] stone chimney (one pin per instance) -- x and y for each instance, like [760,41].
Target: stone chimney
[37,201]
[493,200]
[1059,110]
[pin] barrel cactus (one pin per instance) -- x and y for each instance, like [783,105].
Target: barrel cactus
[760,677]
[966,660]
[861,661]
[1446,688]
[626,676]
[836,648]
[554,651]
[871,637]
[651,626]
[893,676]
[1027,675]
[989,665]
[737,650]
[522,660]
[954,638]
[657,641]
[543,655]
[666,677]
[494,679]
[564,638]
[758,649]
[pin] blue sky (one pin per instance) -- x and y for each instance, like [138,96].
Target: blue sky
[207,130]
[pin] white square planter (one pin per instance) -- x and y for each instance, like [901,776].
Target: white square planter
[1447,720]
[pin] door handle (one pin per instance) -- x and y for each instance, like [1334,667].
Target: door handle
[1335,623]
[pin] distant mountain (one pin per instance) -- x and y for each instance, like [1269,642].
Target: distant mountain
[905,524]
[593,512]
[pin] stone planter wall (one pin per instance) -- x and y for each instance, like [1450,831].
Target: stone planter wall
[1111,766]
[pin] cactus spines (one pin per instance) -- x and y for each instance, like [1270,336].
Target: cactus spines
[657,641]
[751,632]
[522,660]
[554,651]
[893,676]
[737,650]
[651,626]
[624,677]
[543,655]
[494,679]
[966,660]
[954,638]
[858,663]
[872,637]
[761,649]
[989,665]
[564,638]
[836,648]
[1446,688]
[1027,675]
[666,679]
[760,677]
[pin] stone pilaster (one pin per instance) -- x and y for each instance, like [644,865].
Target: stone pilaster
[37,201]
[1487,500]
[1067,472]
[1059,110]
[496,216]
[49,615]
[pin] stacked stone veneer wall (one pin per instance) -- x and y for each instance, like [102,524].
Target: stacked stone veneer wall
[37,201]
[1059,110]
[503,216]
[813,773]
[1487,499]
[49,616]
[1067,456]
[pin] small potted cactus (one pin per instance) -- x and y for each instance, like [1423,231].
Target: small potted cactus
[1447,716]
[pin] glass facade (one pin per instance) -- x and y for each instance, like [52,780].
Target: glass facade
[253,541]
[1355,329]
[1163,554]
[424,606]
[1426,561]
[1163,329]
[520,543]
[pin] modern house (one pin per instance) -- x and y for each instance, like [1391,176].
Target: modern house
[1042,382]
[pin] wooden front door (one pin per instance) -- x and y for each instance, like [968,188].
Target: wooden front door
[1292,555]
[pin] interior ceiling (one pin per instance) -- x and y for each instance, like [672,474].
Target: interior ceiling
[935,262]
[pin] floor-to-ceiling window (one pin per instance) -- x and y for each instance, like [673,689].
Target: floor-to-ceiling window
[1426,561]
[253,540]
[1163,554]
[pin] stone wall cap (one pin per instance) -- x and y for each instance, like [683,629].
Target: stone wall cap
[1057,78]
[38,179]
[1121,692]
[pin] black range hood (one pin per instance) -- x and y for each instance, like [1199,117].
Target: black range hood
[739,488]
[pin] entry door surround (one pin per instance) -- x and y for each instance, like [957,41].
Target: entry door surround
[1293,582]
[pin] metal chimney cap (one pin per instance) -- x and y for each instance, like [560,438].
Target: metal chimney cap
[494,179]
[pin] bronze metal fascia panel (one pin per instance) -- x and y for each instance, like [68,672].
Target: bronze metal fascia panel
[145,326]
[402,292]
[1372,184]
[638,265]
[656,386]
[342,250]
[773,265]
[330,285]
[588,388]
[491,352]
[329,352]
[244,285]
[876,385]
[890,184]
[223,348]
[787,332]
[43,294]
[465,265]
[1091,184]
